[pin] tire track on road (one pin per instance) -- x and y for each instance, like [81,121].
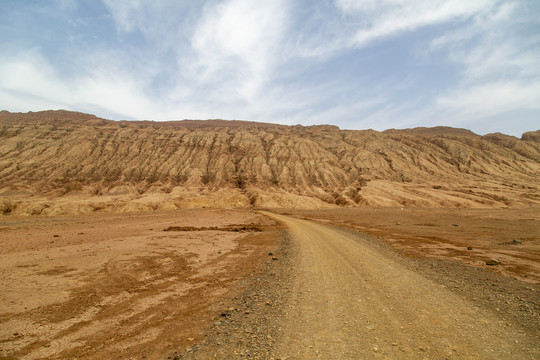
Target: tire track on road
[350,300]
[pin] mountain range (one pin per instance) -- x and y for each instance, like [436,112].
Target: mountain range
[56,162]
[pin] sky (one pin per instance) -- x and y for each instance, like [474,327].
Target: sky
[357,64]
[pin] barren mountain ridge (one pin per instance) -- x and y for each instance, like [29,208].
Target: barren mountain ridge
[55,162]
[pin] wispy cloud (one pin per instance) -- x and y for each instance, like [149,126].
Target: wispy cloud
[498,68]
[32,82]
[238,42]
[489,99]
[386,18]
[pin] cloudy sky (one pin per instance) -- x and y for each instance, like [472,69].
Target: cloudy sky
[357,64]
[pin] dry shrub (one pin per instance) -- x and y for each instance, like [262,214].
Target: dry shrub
[6,207]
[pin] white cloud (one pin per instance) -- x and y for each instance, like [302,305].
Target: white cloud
[125,13]
[506,106]
[489,99]
[162,26]
[386,18]
[33,77]
[486,48]
[499,59]
[497,67]
[238,42]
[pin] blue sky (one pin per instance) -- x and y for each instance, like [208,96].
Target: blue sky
[356,64]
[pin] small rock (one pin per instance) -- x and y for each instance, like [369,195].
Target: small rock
[274,258]
[455,224]
[493,262]
[217,323]
[469,247]
[398,223]
[56,235]
[516,241]
[270,253]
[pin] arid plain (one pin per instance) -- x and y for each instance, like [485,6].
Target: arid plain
[202,239]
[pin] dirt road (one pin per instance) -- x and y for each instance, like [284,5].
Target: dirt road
[118,286]
[350,300]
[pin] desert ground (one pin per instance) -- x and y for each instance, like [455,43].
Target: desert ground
[119,286]
[343,283]
[241,240]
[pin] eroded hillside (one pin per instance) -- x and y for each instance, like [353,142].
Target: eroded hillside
[63,162]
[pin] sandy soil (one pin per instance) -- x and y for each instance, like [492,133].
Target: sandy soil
[472,236]
[350,300]
[119,286]
[232,284]
[339,294]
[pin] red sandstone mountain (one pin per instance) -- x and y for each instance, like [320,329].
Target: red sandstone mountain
[63,162]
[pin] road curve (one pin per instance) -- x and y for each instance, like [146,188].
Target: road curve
[351,300]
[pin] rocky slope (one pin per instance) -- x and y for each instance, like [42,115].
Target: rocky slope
[63,162]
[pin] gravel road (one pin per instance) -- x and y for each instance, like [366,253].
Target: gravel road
[337,296]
